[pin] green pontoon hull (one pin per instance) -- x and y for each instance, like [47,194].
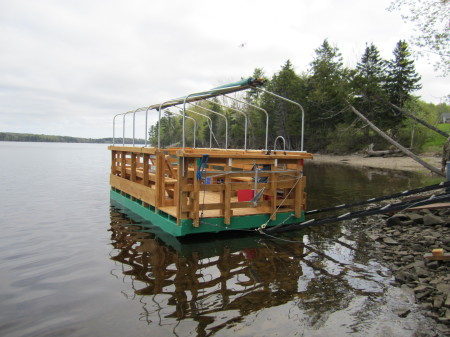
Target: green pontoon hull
[168,223]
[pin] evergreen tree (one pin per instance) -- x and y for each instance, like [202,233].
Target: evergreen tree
[328,91]
[329,80]
[402,78]
[371,71]
[285,118]
[368,83]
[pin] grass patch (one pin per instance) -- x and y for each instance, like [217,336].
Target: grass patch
[435,141]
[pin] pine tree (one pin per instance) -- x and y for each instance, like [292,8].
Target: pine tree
[328,91]
[402,78]
[285,118]
[371,70]
[368,83]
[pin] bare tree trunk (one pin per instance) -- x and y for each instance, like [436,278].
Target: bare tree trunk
[393,142]
[372,153]
[442,133]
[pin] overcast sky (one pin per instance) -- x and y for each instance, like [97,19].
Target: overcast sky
[67,67]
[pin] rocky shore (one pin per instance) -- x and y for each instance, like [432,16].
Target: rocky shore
[401,242]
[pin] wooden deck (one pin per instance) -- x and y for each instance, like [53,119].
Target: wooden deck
[211,198]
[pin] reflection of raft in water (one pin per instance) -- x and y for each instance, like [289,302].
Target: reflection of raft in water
[189,190]
[208,283]
[211,284]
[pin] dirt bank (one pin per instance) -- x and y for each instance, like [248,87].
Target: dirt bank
[393,163]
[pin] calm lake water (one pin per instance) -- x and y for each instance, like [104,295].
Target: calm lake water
[75,264]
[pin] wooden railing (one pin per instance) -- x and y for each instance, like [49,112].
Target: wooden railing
[167,180]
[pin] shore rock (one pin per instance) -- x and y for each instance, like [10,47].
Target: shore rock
[401,242]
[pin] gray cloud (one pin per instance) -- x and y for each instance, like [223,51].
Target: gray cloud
[67,67]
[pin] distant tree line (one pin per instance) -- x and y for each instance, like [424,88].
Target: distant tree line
[325,91]
[28,137]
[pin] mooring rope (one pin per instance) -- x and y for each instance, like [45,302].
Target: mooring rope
[358,214]
[264,225]
[386,197]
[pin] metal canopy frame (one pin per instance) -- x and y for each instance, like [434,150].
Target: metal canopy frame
[292,102]
[206,95]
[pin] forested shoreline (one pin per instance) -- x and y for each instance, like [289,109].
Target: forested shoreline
[29,137]
[326,91]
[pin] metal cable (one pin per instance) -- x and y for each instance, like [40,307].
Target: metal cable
[359,214]
[386,197]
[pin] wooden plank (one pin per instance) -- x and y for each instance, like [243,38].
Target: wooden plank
[177,194]
[443,257]
[136,190]
[149,150]
[113,162]
[195,197]
[151,176]
[213,187]
[233,205]
[227,197]
[298,197]
[123,164]
[250,186]
[160,188]
[169,202]
[181,190]
[168,166]
[273,193]
[239,183]
[215,213]
[145,169]
[133,167]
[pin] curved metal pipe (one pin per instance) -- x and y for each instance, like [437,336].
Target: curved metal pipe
[246,121]
[258,108]
[275,143]
[114,127]
[226,121]
[146,125]
[184,114]
[123,124]
[134,125]
[292,102]
[193,119]
[209,124]
[159,123]
[123,127]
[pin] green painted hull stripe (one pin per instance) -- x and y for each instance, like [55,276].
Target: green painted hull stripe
[208,225]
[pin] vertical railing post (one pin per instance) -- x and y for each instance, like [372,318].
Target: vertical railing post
[160,188]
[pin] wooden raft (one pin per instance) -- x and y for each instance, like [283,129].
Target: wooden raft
[166,179]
